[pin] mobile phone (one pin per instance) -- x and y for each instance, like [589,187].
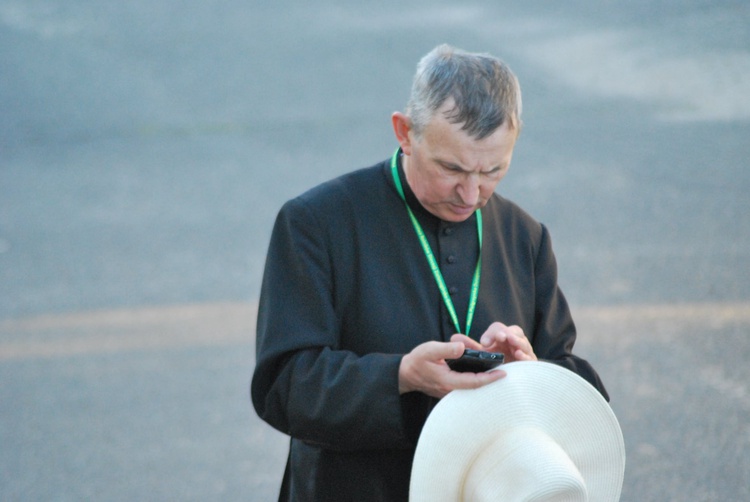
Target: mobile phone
[476,361]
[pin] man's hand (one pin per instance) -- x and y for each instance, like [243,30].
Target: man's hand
[424,369]
[510,340]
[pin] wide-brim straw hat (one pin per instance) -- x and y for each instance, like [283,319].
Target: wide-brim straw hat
[542,433]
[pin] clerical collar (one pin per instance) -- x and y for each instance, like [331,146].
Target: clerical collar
[411,197]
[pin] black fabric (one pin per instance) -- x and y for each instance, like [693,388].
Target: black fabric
[347,291]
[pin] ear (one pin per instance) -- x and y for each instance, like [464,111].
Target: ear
[402,129]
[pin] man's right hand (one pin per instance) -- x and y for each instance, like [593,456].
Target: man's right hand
[424,370]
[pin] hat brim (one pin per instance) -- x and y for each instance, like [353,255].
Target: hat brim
[535,394]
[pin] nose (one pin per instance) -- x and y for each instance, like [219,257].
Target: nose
[468,190]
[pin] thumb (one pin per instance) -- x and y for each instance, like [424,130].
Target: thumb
[452,350]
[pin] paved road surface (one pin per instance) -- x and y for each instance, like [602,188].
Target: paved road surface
[145,148]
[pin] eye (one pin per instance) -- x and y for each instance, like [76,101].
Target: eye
[451,168]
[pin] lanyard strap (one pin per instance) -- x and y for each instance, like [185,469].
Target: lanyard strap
[433,262]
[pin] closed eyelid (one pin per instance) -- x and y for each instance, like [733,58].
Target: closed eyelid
[494,170]
[458,169]
[453,167]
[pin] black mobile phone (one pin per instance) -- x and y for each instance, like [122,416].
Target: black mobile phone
[476,361]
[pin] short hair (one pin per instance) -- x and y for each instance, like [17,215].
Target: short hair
[484,90]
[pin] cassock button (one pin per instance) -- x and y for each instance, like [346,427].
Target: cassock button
[451,259]
[447,230]
[453,290]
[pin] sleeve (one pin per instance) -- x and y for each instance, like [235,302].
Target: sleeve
[304,384]
[555,332]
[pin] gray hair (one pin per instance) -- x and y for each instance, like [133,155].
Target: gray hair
[484,90]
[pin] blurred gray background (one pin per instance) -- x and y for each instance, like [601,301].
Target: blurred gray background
[145,148]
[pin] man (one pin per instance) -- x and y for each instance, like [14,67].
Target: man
[377,277]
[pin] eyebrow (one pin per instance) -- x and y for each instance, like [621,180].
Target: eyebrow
[456,167]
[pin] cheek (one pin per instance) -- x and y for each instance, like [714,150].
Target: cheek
[446,189]
[438,187]
[490,186]
[486,190]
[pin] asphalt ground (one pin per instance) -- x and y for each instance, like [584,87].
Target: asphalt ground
[145,149]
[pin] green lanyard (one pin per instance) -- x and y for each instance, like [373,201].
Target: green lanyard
[433,262]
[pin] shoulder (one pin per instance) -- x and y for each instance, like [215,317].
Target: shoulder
[343,193]
[515,235]
[336,208]
[508,216]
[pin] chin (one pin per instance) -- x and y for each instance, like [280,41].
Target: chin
[456,217]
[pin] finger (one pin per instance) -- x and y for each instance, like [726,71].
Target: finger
[519,341]
[521,347]
[468,343]
[520,355]
[515,331]
[516,341]
[436,351]
[495,335]
[473,380]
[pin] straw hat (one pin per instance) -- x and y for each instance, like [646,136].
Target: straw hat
[542,433]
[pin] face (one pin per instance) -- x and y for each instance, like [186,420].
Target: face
[451,173]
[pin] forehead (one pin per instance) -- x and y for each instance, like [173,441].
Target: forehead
[448,142]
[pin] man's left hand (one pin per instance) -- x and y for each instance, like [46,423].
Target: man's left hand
[510,340]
